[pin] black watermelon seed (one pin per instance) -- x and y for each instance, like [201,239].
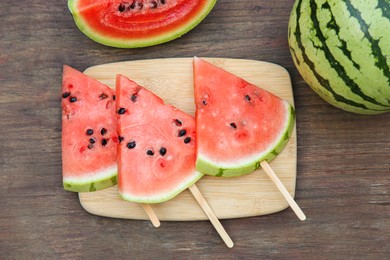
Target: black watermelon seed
[150,152]
[204,102]
[134,97]
[233,125]
[65,94]
[182,132]
[120,138]
[162,1]
[92,140]
[187,140]
[132,6]
[153,5]
[163,151]
[113,97]
[103,96]
[103,131]
[121,8]
[89,132]
[141,5]
[130,145]
[90,146]
[104,141]
[73,99]
[121,110]
[248,98]
[178,122]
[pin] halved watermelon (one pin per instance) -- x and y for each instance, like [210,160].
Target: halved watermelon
[89,137]
[137,23]
[156,155]
[238,124]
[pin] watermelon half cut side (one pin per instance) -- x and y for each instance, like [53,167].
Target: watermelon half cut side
[156,155]
[137,23]
[89,137]
[238,124]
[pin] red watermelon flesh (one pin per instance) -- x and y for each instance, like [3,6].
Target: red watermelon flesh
[139,23]
[238,124]
[89,137]
[156,155]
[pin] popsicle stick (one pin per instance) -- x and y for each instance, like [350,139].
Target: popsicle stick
[294,206]
[152,216]
[211,215]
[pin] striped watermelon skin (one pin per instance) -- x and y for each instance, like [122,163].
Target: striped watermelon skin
[341,48]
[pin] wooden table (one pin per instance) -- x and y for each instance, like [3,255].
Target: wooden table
[343,182]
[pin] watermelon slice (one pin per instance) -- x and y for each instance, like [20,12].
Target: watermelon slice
[156,155]
[89,137]
[137,23]
[238,124]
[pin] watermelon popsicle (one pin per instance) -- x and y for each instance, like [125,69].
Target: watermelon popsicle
[156,155]
[89,137]
[239,126]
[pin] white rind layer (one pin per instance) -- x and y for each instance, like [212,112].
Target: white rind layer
[163,196]
[91,177]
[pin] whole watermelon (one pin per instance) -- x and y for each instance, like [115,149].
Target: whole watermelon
[342,50]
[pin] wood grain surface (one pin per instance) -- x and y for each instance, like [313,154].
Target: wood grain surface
[343,163]
[250,195]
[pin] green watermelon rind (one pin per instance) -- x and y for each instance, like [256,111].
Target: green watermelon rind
[207,166]
[98,181]
[126,43]
[163,196]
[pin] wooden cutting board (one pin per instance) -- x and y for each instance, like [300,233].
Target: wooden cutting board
[250,195]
